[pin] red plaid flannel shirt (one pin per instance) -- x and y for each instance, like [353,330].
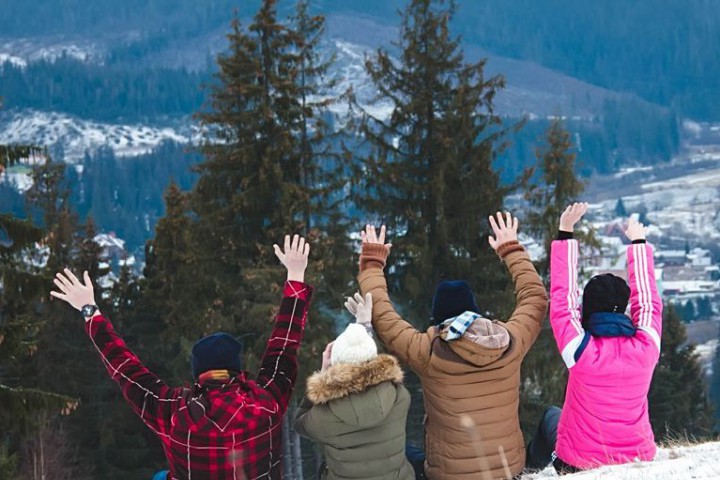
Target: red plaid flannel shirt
[225,430]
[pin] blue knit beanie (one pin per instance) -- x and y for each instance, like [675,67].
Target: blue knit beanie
[451,299]
[218,351]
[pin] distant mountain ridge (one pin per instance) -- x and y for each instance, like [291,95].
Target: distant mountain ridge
[662,53]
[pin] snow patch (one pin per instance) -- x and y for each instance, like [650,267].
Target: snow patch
[36,49]
[700,461]
[77,136]
[12,59]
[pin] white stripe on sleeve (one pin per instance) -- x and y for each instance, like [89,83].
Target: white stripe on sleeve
[568,353]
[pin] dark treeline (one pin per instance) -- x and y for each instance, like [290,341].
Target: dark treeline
[122,195]
[271,163]
[108,16]
[102,92]
[626,134]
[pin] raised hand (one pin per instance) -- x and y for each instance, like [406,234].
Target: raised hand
[73,291]
[370,235]
[361,308]
[294,256]
[505,229]
[572,214]
[326,356]
[635,230]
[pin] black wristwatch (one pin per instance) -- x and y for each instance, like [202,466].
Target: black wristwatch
[88,310]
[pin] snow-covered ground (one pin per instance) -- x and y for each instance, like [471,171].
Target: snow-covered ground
[76,135]
[701,461]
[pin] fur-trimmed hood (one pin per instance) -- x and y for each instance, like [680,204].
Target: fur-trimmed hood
[344,379]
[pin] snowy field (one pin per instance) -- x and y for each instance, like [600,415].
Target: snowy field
[700,461]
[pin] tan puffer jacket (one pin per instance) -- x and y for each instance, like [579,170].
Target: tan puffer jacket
[470,385]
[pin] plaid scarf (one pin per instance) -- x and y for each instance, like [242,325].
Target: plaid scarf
[453,328]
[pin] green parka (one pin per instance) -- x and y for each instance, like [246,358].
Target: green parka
[358,413]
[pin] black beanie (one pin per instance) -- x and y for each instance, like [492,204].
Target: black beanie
[451,299]
[604,293]
[218,351]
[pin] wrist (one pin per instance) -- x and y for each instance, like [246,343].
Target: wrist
[293,276]
[373,255]
[564,235]
[509,247]
[89,309]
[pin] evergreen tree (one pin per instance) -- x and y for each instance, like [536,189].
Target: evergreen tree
[715,389]
[65,361]
[544,373]
[705,308]
[429,174]
[168,278]
[24,404]
[267,172]
[22,285]
[679,404]
[558,186]
[620,210]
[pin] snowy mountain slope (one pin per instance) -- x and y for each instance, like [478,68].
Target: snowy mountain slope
[33,49]
[76,136]
[700,461]
[681,199]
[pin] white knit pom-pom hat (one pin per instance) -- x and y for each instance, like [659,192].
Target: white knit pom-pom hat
[353,346]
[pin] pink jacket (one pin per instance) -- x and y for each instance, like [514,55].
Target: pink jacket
[605,416]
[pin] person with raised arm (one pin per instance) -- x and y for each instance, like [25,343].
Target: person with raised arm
[356,406]
[226,426]
[610,357]
[469,365]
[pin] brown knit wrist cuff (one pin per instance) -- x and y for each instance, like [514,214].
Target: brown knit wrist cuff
[509,247]
[373,255]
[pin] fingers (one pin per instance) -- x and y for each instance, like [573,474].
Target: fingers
[381,238]
[301,245]
[351,306]
[59,295]
[59,277]
[508,220]
[492,242]
[278,253]
[63,288]
[363,236]
[72,277]
[515,224]
[368,298]
[287,244]
[494,225]
[306,250]
[86,278]
[580,208]
[501,221]
[358,298]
